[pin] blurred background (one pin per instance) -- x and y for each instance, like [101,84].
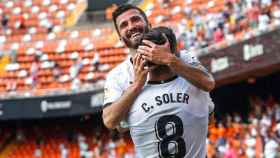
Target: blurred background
[55,54]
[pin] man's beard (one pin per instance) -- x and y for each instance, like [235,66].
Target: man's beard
[138,40]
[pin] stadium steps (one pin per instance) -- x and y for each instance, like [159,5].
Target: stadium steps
[90,26]
[4,61]
[8,146]
[74,16]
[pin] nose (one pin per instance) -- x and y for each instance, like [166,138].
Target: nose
[130,25]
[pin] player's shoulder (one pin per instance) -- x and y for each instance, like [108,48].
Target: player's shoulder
[119,70]
[188,56]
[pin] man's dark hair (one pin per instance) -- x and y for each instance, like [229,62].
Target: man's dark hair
[155,35]
[123,8]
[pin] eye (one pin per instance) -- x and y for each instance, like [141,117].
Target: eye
[135,19]
[123,24]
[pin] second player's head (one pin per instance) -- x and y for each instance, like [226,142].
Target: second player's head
[156,35]
[131,23]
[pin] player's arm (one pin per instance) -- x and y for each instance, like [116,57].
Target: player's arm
[114,112]
[193,72]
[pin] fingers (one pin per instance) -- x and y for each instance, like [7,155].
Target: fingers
[145,72]
[146,57]
[141,51]
[136,60]
[144,48]
[149,43]
[140,74]
[145,51]
[142,63]
[153,52]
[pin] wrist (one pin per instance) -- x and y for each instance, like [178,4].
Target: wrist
[172,60]
[136,87]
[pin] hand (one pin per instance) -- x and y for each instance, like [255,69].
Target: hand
[158,54]
[140,74]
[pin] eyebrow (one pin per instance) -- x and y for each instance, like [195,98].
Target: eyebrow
[135,17]
[132,17]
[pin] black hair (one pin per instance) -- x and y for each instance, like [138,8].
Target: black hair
[123,8]
[156,36]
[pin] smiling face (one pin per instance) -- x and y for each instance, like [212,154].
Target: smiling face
[131,27]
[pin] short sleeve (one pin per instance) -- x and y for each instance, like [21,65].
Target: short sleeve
[211,104]
[112,90]
[188,57]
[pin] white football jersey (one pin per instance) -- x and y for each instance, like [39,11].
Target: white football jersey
[170,120]
[177,106]
[120,77]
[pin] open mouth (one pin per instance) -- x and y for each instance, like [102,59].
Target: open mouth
[135,35]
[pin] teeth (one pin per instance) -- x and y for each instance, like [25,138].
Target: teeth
[136,34]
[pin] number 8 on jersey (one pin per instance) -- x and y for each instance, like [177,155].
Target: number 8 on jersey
[169,131]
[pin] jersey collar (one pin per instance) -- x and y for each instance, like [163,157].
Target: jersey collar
[163,81]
